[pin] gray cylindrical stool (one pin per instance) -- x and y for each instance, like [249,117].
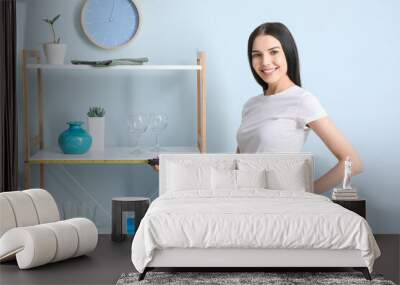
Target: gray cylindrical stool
[138,205]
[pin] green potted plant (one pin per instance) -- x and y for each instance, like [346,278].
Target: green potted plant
[54,51]
[96,115]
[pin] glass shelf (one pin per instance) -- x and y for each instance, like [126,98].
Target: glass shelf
[118,67]
[110,155]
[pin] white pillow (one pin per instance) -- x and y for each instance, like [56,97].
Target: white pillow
[223,179]
[236,179]
[282,174]
[251,178]
[183,177]
[293,179]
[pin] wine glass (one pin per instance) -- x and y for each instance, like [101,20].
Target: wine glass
[158,123]
[137,126]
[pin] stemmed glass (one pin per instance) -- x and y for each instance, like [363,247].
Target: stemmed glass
[158,122]
[137,126]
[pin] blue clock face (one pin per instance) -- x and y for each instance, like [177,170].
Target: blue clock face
[110,23]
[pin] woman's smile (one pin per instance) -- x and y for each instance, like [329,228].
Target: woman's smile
[269,70]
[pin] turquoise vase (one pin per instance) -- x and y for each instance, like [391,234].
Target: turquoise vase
[74,140]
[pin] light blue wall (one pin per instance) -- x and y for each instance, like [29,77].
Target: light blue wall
[349,59]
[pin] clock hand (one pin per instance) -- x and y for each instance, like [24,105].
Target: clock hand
[112,12]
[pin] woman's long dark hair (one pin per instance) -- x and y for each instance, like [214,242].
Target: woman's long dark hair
[283,35]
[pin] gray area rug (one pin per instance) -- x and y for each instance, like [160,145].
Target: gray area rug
[269,278]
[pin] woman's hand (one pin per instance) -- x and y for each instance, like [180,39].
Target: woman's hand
[154,163]
[341,148]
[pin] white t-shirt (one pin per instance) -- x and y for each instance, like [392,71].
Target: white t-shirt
[277,123]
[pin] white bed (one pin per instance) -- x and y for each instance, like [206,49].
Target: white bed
[241,210]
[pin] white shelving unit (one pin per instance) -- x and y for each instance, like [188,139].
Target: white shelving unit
[111,155]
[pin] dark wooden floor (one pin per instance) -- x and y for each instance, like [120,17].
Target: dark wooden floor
[102,266]
[110,260]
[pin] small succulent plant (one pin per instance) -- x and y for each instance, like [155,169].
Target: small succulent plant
[96,111]
[51,23]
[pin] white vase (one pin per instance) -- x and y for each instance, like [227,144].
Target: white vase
[55,53]
[96,130]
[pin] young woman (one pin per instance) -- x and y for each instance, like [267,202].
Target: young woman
[280,119]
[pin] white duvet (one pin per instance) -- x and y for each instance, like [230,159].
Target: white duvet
[250,219]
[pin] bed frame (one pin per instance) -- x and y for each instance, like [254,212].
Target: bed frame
[261,259]
[248,259]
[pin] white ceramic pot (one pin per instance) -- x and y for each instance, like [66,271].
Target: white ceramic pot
[96,130]
[55,53]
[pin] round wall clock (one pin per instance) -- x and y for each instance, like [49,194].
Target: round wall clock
[110,24]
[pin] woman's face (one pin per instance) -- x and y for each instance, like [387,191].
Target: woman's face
[268,59]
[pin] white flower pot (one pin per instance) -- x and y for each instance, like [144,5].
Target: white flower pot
[96,130]
[55,53]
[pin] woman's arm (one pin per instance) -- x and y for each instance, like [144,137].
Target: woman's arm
[341,148]
[237,149]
